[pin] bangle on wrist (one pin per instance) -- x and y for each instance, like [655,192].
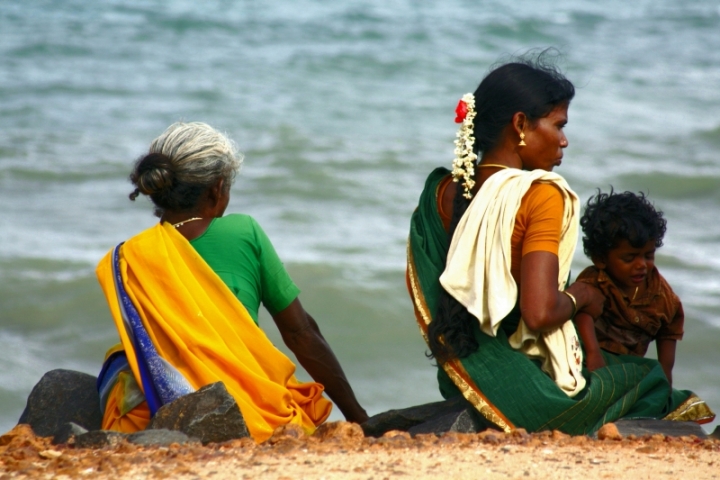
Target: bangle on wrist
[574,302]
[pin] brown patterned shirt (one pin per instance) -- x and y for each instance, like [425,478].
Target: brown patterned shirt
[628,326]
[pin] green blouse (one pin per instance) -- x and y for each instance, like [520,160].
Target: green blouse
[240,252]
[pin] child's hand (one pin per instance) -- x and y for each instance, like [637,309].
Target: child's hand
[593,361]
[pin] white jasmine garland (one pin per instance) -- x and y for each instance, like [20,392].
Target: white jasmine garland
[464,162]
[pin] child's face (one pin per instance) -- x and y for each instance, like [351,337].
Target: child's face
[628,266]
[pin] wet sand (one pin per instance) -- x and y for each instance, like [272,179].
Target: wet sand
[338,450]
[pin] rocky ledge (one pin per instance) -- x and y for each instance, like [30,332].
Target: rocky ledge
[64,406]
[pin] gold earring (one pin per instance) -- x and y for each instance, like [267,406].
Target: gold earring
[522,140]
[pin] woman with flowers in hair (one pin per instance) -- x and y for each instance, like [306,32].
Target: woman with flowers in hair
[185,295]
[488,261]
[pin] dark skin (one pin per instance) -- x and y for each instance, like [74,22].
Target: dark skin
[299,330]
[666,356]
[628,267]
[542,306]
[586,329]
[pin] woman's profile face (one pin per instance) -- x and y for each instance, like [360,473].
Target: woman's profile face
[545,141]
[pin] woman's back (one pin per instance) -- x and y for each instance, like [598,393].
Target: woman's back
[537,224]
[239,251]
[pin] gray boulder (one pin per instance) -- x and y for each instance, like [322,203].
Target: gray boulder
[159,438]
[67,433]
[60,397]
[464,421]
[650,426]
[99,439]
[210,415]
[407,418]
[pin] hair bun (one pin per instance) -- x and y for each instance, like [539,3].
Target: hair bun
[153,173]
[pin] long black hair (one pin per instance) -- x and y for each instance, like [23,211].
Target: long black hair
[535,87]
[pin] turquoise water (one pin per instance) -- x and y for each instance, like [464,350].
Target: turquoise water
[341,110]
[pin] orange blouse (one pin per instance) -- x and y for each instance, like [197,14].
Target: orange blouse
[537,225]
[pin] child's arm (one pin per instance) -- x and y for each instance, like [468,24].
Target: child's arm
[668,335]
[586,329]
[666,356]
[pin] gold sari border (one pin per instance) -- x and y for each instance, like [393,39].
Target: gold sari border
[454,368]
[694,409]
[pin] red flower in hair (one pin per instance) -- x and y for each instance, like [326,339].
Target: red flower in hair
[461,111]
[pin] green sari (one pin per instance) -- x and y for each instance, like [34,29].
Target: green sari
[508,388]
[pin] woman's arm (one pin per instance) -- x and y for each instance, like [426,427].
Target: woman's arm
[302,335]
[542,305]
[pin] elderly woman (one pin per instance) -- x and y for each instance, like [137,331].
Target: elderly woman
[488,262]
[185,295]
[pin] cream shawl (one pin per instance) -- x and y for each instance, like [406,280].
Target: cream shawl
[477,272]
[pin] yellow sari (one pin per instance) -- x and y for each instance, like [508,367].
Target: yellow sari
[202,330]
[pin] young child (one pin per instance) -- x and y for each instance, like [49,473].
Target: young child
[621,232]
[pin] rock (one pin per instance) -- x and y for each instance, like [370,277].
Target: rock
[50,454]
[425,439]
[609,432]
[20,434]
[491,438]
[535,442]
[160,438]
[287,444]
[283,432]
[648,426]
[658,437]
[397,433]
[579,440]
[60,397]
[67,433]
[395,438]
[520,433]
[246,443]
[715,434]
[449,438]
[211,415]
[342,432]
[406,418]
[463,421]
[99,439]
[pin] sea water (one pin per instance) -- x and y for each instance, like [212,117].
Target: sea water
[341,110]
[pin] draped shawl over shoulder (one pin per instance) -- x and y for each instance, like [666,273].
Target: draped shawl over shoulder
[202,331]
[477,273]
[509,388]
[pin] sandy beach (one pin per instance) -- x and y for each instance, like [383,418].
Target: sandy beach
[338,450]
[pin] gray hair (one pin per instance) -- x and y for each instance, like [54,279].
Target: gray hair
[182,163]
